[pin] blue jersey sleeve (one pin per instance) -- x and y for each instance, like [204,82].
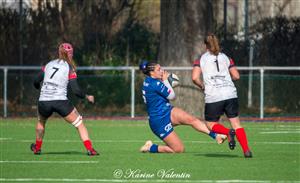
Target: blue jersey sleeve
[162,89]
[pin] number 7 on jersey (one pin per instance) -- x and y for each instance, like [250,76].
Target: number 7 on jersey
[56,69]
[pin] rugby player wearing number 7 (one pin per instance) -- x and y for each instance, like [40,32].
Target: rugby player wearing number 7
[157,92]
[55,77]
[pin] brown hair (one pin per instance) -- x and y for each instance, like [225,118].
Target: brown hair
[212,44]
[63,55]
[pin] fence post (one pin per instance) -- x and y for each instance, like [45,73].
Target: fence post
[261,93]
[5,93]
[250,79]
[132,92]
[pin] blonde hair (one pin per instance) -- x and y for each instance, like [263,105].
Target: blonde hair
[63,55]
[212,44]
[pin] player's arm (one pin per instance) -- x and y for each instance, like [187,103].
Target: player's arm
[39,78]
[234,73]
[196,73]
[170,94]
[73,84]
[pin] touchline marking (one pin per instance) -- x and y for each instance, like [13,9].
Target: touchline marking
[52,162]
[126,180]
[142,141]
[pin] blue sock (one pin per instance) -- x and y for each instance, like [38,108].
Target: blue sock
[154,148]
[212,135]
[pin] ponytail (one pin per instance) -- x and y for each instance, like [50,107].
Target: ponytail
[212,44]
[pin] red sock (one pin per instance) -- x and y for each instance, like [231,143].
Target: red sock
[220,129]
[242,138]
[88,144]
[38,144]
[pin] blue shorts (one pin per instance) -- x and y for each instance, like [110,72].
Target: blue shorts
[161,127]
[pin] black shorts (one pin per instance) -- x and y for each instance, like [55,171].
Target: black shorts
[213,111]
[62,107]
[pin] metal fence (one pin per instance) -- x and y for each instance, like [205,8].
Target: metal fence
[118,90]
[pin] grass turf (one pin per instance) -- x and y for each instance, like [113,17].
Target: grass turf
[275,146]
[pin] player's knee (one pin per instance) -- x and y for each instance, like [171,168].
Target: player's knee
[40,129]
[77,122]
[179,149]
[40,125]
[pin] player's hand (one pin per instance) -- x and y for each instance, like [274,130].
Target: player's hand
[202,87]
[165,75]
[90,98]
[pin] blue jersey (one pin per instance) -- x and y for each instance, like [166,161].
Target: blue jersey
[155,95]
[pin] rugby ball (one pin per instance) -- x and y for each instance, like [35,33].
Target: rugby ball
[173,80]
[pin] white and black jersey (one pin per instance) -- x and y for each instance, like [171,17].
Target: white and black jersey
[57,74]
[216,76]
[56,77]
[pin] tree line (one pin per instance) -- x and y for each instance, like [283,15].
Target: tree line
[102,33]
[111,33]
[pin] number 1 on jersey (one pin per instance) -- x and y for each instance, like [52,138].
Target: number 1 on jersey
[217,65]
[56,69]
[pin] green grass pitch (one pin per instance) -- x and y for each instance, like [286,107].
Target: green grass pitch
[275,146]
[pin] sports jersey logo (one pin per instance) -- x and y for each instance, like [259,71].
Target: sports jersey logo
[146,84]
[161,135]
[218,77]
[168,127]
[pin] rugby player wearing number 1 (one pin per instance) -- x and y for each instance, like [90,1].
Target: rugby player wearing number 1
[55,77]
[220,93]
[157,92]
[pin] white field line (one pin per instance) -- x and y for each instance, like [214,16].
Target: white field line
[280,143]
[130,180]
[2,139]
[140,141]
[283,126]
[50,162]
[280,132]
[273,129]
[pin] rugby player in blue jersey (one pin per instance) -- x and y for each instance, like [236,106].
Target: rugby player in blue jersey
[157,92]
